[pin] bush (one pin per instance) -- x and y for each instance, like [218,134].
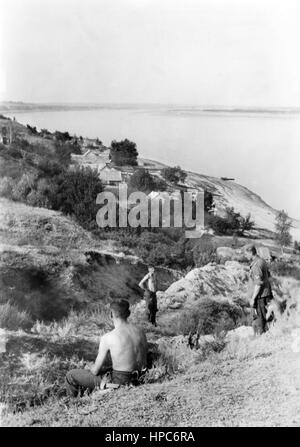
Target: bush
[13,319]
[24,186]
[42,195]
[204,252]
[15,152]
[50,168]
[123,153]
[174,175]
[232,223]
[76,195]
[209,317]
[282,268]
[6,187]
[142,180]
[63,151]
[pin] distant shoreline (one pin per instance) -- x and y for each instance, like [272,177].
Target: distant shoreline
[20,107]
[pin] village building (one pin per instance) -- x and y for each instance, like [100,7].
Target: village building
[90,159]
[110,176]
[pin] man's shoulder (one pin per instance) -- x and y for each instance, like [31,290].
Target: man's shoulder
[108,336]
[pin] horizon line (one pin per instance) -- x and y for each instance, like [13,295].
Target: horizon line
[195,105]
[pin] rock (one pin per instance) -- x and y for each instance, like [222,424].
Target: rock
[225,253]
[240,332]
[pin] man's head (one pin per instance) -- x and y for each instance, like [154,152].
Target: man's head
[120,309]
[250,251]
[151,268]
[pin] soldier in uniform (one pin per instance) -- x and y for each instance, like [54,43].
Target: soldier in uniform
[262,291]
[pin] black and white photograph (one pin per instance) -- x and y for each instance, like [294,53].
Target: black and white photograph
[149,216]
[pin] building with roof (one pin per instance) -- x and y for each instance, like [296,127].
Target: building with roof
[110,176]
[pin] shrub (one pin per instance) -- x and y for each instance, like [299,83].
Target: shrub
[12,318]
[204,252]
[63,151]
[232,223]
[6,187]
[42,195]
[76,194]
[283,226]
[24,186]
[210,316]
[50,168]
[123,153]
[15,153]
[174,175]
[142,180]
[282,268]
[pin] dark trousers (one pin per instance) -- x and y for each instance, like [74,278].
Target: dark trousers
[80,380]
[151,305]
[261,312]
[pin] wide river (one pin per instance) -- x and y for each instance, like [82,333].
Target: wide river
[261,151]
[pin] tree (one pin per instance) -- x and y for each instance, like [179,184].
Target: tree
[174,175]
[123,153]
[246,224]
[62,136]
[142,180]
[64,149]
[208,201]
[76,194]
[282,226]
[232,223]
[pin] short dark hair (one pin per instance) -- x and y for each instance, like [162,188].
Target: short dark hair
[120,308]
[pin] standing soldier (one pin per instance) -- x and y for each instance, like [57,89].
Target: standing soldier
[149,285]
[262,292]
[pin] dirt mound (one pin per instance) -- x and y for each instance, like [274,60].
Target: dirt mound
[49,264]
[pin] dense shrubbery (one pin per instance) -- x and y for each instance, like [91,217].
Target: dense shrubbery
[123,153]
[282,268]
[204,252]
[72,192]
[143,181]
[232,223]
[174,175]
[209,317]
[76,194]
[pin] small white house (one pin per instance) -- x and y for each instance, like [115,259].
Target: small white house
[110,176]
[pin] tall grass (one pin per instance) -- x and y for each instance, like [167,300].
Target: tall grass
[13,319]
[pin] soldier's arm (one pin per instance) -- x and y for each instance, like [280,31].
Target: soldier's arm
[142,283]
[102,353]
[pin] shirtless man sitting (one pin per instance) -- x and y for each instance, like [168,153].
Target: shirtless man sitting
[127,345]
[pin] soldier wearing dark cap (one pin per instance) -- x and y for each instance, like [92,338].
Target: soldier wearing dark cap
[127,346]
[262,292]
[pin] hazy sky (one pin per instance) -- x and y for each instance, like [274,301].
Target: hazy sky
[216,52]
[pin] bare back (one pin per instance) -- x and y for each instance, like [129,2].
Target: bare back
[128,348]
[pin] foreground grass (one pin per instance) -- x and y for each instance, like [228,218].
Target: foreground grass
[253,381]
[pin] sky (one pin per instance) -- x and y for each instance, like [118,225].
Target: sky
[208,52]
[243,53]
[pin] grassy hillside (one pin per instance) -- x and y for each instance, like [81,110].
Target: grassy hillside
[57,278]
